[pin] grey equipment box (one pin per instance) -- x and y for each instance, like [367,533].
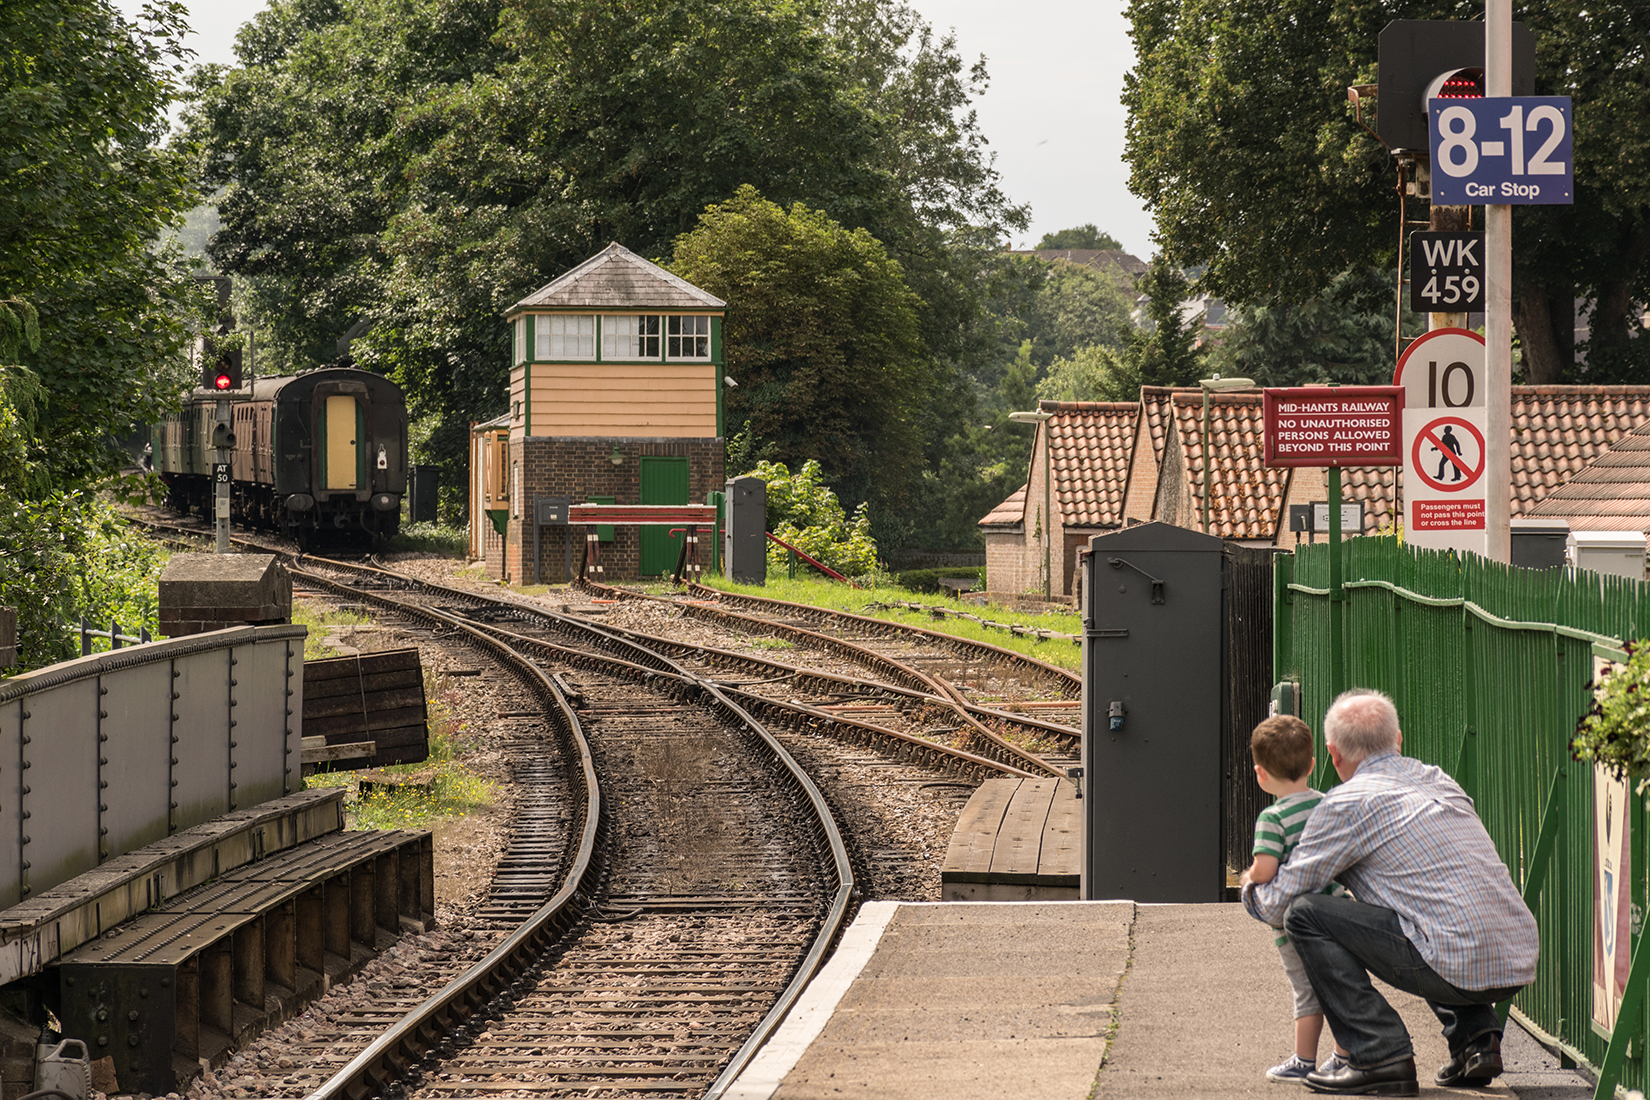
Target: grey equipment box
[746,512]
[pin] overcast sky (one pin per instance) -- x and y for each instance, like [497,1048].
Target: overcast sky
[1052,113]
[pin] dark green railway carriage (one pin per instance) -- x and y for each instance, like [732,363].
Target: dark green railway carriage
[322,450]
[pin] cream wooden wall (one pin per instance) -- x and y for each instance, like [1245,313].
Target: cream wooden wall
[676,400]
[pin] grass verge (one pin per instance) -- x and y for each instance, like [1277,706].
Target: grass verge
[870,601]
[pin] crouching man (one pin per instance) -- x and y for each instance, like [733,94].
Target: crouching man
[1436,913]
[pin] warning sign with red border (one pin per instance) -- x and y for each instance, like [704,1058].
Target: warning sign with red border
[1459,446]
[1334,426]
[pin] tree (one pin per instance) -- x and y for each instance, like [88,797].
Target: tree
[1082,236]
[86,190]
[1093,373]
[822,339]
[1343,336]
[1164,350]
[1242,145]
[804,512]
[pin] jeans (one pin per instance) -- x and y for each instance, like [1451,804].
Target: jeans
[1342,942]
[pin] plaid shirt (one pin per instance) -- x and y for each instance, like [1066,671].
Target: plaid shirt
[1401,834]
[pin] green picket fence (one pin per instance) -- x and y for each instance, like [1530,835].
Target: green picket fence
[1489,666]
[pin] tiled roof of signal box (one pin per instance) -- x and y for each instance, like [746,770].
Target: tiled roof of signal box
[617,278]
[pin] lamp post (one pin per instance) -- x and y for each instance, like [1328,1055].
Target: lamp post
[1041,418]
[1210,385]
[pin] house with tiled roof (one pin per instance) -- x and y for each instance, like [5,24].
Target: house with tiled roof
[1152,451]
[1610,494]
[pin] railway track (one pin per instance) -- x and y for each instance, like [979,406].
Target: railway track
[703,913]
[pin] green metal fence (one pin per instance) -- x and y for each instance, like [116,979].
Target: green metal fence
[1490,667]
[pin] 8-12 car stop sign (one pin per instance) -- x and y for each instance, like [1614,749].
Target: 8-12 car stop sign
[1442,375]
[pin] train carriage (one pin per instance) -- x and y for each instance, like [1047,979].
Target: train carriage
[318,451]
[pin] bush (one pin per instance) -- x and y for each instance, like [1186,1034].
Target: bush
[928,580]
[804,512]
[1615,734]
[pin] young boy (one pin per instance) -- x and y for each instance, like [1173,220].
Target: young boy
[1282,750]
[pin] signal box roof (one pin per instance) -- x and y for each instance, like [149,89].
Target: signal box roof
[616,278]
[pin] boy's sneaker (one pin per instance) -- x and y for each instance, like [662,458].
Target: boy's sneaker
[1295,1069]
[1333,1064]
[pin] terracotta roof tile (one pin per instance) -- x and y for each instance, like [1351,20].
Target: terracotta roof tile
[1010,513]
[1612,494]
[1245,498]
[1090,442]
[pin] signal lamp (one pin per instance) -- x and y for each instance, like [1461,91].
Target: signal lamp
[222,381]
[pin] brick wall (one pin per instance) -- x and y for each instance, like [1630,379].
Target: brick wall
[1007,557]
[581,468]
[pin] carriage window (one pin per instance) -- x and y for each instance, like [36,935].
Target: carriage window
[687,337]
[630,337]
[565,336]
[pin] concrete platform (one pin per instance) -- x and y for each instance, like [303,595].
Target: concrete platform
[1068,1001]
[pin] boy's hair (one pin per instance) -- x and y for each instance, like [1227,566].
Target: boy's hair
[1283,746]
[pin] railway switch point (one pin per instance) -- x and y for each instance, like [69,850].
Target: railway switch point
[202,592]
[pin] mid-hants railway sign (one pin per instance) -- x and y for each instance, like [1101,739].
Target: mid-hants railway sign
[1334,426]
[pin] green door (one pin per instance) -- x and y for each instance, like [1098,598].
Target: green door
[664,481]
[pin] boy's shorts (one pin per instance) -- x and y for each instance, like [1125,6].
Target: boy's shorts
[1306,1001]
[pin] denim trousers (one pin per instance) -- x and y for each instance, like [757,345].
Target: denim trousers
[1342,943]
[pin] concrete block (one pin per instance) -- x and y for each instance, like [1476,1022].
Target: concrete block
[206,591]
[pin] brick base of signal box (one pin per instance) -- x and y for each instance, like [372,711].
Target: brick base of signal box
[553,466]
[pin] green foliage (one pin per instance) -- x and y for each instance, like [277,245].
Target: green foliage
[1342,336]
[86,189]
[1615,734]
[928,580]
[64,556]
[1082,236]
[822,339]
[424,164]
[1243,146]
[804,512]
[1164,351]
[1093,373]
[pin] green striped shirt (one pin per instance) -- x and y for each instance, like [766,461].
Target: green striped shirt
[1278,829]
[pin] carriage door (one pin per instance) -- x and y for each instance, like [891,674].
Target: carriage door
[664,481]
[341,431]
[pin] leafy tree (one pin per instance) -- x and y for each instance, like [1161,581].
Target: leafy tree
[1082,236]
[1342,336]
[821,338]
[1093,373]
[1164,350]
[804,512]
[86,189]
[1242,145]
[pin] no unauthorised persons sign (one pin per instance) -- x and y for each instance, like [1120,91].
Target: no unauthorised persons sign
[1334,426]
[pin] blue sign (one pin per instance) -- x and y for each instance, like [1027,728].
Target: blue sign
[1505,151]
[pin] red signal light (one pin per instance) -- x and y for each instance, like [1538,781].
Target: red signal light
[223,381]
[1463,84]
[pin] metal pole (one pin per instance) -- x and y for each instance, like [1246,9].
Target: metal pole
[1337,656]
[1498,310]
[221,489]
[1205,460]
[1048,514]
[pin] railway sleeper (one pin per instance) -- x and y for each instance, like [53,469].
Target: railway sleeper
[172,993]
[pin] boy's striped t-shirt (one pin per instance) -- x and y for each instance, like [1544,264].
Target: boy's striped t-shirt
[1278,829]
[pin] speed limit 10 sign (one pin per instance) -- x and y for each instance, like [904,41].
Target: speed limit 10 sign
[1446,272]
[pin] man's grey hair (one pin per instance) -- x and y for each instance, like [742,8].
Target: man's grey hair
[1362,723]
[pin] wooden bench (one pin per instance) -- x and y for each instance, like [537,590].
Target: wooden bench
[1016,840]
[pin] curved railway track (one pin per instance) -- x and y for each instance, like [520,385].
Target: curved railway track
[667,953]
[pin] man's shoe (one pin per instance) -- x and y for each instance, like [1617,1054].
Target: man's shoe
[1396,1079]
[1474,1065]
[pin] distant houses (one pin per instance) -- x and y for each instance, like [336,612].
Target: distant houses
[1112,464]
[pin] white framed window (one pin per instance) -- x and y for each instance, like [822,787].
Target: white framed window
[687,337]
[565,336]
[630,337]
[521,340]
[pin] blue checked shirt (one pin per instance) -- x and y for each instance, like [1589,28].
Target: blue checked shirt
[1401,834]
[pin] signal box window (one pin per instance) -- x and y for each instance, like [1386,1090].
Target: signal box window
[687,337]
[565,336]
[630,337]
